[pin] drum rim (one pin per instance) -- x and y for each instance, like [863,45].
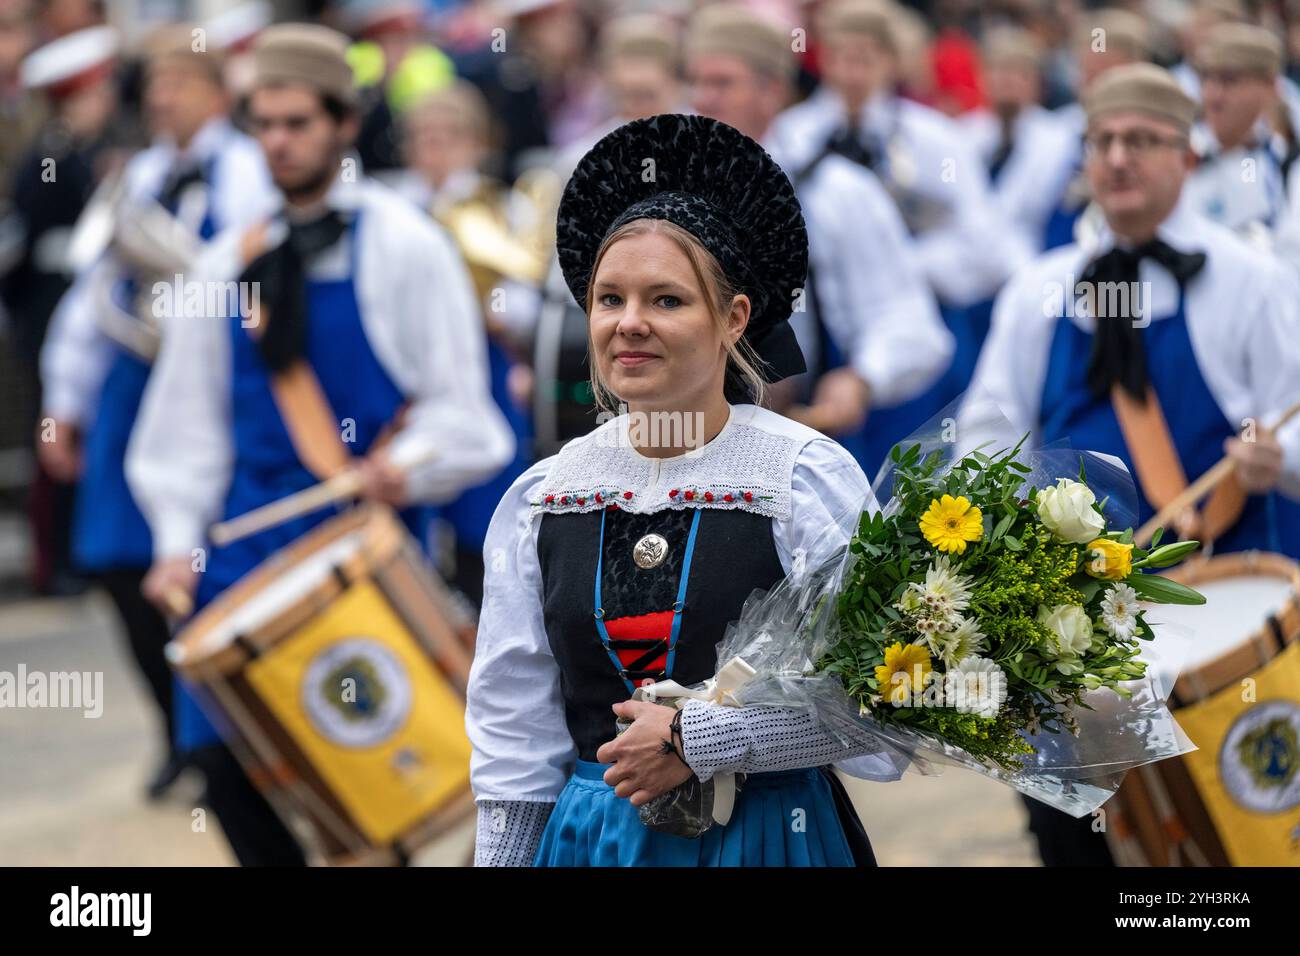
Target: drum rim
[380,541]
[1193,686]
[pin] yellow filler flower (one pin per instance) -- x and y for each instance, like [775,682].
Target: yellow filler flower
[951,522]
[911,664]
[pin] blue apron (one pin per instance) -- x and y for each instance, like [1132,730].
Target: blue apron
[470,513]
[1059,230]
[266,468]
[786,818]
[1070,412]
[108,529]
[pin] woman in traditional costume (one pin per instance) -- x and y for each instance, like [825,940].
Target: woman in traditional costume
[622,559]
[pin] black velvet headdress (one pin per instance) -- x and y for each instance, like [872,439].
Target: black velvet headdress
[721,187]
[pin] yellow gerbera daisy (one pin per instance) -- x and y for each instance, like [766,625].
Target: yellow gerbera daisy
[911,662]
[951,522]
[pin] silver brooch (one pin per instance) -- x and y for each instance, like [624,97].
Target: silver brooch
[650,551]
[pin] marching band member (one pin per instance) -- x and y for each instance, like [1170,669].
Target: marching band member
[867,318]
[688,280]
[208,176]
[1103,40]
[1241,176]
[923,159]
[502,235]
[1028,151]
[74,99]
[1213,353]
[363,348]
[920,154]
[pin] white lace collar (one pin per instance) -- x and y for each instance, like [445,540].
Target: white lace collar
[748,466]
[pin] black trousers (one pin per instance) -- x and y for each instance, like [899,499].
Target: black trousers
[256,834]
[147,634]
[1064,840]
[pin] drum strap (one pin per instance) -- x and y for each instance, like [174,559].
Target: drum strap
[310,421]
[299,397]
[1159,470]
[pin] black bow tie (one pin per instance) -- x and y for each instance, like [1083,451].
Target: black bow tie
[179,180]
[1118,356]
[848,142]
[281,274]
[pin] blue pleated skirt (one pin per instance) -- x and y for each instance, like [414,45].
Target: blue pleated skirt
[781,819]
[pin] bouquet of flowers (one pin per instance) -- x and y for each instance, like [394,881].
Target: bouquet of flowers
[991,616]
[983,613]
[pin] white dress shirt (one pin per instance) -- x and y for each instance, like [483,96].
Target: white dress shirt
[1241,320]
[875,301]
[76,355]
[968,252]
[1042,160]
[419,317]
[1243,187]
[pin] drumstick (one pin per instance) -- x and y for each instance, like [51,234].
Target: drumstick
[1201,487]
[338,488]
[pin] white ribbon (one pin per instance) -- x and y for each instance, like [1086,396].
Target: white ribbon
[721,689]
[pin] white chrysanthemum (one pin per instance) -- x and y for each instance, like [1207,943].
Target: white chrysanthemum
[965,640]
[1119,610]
[976,685]
[944,593]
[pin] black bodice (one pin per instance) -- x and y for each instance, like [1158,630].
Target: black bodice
[734,554]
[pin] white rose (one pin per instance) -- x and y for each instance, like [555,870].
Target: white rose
[1067,511]
[1071,629]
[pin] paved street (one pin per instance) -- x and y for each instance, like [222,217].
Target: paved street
[71,787]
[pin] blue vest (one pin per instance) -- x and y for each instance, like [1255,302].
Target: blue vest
[1071,412]
[266,467]
[108,529]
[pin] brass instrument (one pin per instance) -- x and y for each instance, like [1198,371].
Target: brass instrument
[148,243]
[506,233]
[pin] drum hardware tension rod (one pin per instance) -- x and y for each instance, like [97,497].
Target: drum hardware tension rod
[1201,487]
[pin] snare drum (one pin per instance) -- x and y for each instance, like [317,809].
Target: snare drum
[1236,800]
[336,670]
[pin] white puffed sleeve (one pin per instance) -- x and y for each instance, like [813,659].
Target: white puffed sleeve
[829,492]
[76,355]
[514,713]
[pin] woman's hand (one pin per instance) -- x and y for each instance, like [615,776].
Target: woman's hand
[642,769]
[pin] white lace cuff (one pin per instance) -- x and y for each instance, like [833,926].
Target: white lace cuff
[509,831]
[720,739]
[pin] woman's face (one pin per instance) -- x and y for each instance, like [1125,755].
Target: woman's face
[653,337]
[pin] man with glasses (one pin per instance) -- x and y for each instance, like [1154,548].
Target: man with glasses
[1243,161]
[1156,342]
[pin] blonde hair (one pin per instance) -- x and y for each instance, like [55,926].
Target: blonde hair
[719,293]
